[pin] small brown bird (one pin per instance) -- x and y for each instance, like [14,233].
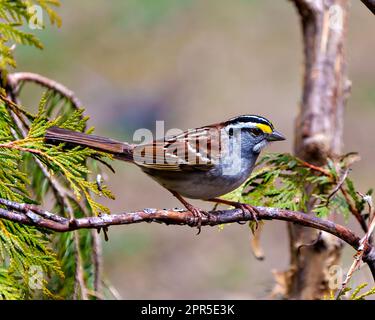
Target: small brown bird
[203,163]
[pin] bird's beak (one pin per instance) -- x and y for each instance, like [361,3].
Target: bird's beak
[276,136]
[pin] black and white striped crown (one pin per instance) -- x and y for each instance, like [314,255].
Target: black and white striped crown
[243,119]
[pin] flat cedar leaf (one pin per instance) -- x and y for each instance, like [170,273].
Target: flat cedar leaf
[321,211]
[22,247]
[359,202]
[332,168]
[349,159]
[25,248]
[366,294]
[11,33]
[343,292]
[292,164]
[338,203]
[351,190]
[357,290]
[280,180]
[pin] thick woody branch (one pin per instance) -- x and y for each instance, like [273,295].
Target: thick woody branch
[318,132]
[34,216]
[311,5]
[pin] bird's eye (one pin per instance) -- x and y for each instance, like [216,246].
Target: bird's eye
[256,132]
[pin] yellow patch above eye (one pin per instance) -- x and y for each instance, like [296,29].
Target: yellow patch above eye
[264,127]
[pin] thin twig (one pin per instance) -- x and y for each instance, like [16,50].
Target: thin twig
[371,224]
[315,168]
[113,291]
[18,77]
[97,260]
[311,244]
[338,186]
[355,265]
[364,246]
[354,210]
[79,277]
[15,107]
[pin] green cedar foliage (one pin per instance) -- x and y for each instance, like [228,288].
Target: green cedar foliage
[353,294]
[35,263]
[14,14]
[23,248]
[286,182]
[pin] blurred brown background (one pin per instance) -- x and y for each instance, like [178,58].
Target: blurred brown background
[191,63]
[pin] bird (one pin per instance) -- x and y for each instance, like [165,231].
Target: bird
[202,163]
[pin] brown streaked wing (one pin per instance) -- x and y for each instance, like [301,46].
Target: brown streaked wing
[179,153]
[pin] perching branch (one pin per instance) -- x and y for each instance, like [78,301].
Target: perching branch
[35,216]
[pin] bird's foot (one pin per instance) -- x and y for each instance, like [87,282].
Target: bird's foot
[246,208]
[198,215]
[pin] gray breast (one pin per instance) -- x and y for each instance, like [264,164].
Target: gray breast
[215,182]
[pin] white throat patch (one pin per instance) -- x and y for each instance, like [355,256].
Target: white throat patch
[259,146]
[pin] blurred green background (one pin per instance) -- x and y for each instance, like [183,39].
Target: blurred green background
[191,63]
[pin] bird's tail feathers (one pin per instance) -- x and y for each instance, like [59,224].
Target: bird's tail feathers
[120,150]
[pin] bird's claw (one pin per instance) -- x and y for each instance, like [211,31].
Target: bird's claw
[198,215]
[246,208]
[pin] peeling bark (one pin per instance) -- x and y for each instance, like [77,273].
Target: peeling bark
[318,134]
